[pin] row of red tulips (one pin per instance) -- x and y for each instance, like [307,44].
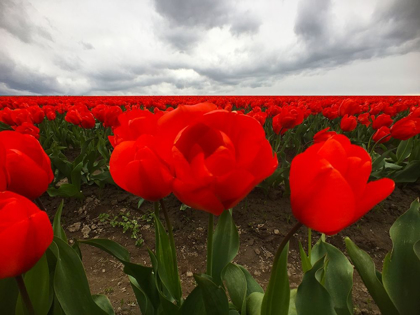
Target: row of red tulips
[286,112]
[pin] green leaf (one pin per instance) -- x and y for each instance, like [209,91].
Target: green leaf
[9,292]
[416,248]
[225,244]
[70,283]
[306,264]
[404,150]
[253,303]
[167,266]
[103,302]
[194,304]
[215,299]
[292,303]
[141,277]
[251,284]
[65,190]
[366,269]
[312,298]
[338,277]
[57,228]
[379,162]
[401,271]
[235,282]
[111,247]
[410,173]
[166,305]
[37,282]
[76,175]
[277,296]
[145,303]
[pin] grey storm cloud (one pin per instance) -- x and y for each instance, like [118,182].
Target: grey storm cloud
[187,20]
[15,19]
[393,30]
[20,78]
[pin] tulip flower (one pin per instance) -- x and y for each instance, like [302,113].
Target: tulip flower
[405,128]
[329,185]
[348,123]
[25,234]
[27,165]
[219,159]
[382,135]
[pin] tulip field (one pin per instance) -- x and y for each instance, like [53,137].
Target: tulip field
[258,205]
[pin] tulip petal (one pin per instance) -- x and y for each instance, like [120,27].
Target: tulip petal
[201,198]
[326,204]
[374,193]
[22,244]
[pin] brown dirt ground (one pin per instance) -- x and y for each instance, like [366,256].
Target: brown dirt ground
[262,222]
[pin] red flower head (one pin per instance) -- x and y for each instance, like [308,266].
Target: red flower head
[348,123]
[27,165]
[81,116]
[219,159]
[25,234]
[405,128]
[364,119]
[323,135]
[288,118]
[382,135]
[381,120]
[349,107]
[329,185]
[28,128]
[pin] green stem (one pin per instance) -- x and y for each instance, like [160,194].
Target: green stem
[169,227]
[285,240]
[309,243]
[24,294]
[156,208]
[210,245]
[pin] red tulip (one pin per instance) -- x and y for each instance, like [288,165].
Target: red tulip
[348,123]
[381,120]
[81,116]
[405,128]
[27,165]
[137,168]
[219,159]
[382,135]
[28,128]
[288,118]
[25,234]
[323,135]
[329,185]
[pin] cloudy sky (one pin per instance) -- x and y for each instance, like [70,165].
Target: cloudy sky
[225,47]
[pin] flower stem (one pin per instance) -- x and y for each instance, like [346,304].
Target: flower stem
[309,243]
[210,245]
[285,240]
[169,227]
[24,294]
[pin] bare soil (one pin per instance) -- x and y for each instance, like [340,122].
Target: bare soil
[263,220]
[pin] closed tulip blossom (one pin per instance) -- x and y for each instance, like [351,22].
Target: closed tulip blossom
[348,123]
[25,234]
[382,135]
[405,128]
[329,185]
[27,165]
[219,159]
